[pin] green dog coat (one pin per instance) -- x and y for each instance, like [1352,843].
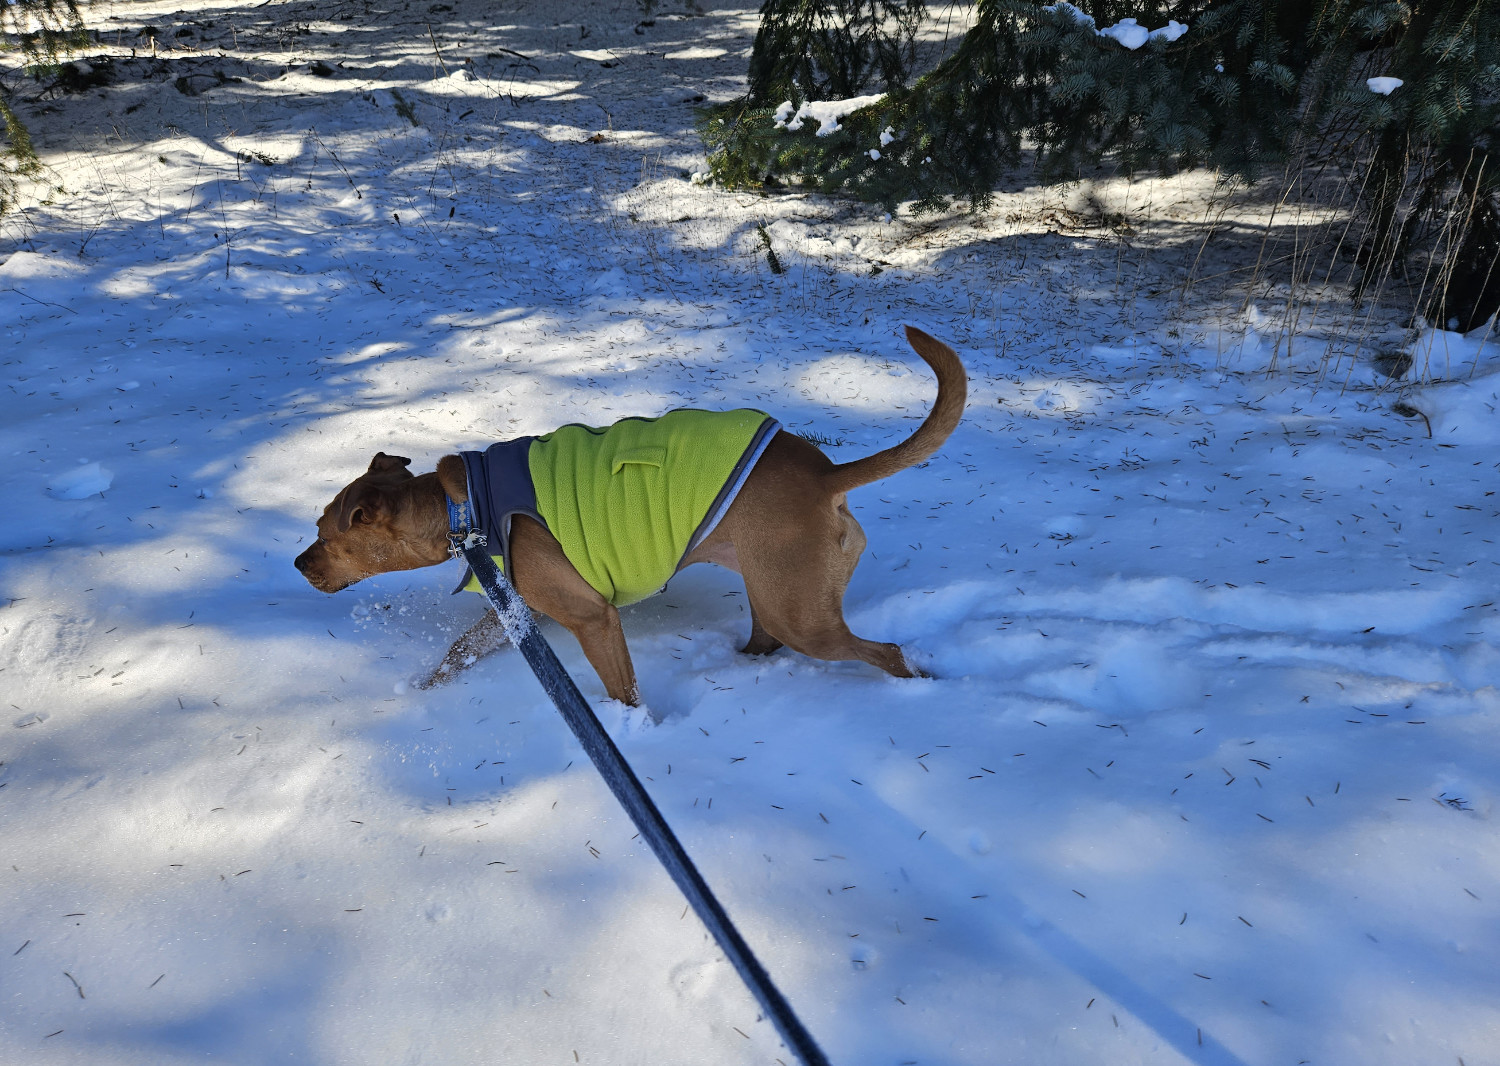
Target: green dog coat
[627,502]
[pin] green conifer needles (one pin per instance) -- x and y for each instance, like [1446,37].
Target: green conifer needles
[1152,86]
[45,31]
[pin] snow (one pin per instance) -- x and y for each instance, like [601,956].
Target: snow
[1459,403]
[1127,32]
[1206,769]
[1170,32]
[826,113]
[1383,85]
[81,482]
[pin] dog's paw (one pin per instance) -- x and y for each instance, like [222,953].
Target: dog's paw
[441,675]
[918,664]
[762,644]
[620,719]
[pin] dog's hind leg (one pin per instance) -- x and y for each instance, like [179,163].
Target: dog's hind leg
[802,605]
[483,637]
[824,634]
[760,642]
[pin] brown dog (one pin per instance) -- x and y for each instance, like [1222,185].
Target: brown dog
[788,532]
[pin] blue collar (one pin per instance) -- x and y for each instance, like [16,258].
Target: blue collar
[460,517]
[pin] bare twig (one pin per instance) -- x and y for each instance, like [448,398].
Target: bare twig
[433,37]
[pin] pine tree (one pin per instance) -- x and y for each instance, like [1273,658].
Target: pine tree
[44,31]
[831,49]
[1242,86]
[1435,170]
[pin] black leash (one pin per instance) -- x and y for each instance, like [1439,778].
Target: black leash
[521,628]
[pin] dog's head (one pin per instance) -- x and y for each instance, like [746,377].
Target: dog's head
[371,527]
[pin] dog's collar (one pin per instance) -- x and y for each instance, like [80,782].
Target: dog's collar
[461,531]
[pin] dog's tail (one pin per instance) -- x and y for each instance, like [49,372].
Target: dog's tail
[953,390]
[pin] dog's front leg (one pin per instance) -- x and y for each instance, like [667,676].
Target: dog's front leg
[603,643]
[483,637]
[552,586]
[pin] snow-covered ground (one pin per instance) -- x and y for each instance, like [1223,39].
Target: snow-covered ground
[1207,770]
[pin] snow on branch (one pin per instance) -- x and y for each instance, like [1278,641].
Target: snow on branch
[826,113]
[1127,31]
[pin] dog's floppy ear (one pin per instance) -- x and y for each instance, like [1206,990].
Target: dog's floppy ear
[360,504]
[387,464]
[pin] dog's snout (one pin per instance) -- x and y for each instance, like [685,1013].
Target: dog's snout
[316,569]
[304,562]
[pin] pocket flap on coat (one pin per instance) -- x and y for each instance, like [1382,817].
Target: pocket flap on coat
[645,456]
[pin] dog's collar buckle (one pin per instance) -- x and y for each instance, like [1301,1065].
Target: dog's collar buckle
[461,531]
[460,541]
